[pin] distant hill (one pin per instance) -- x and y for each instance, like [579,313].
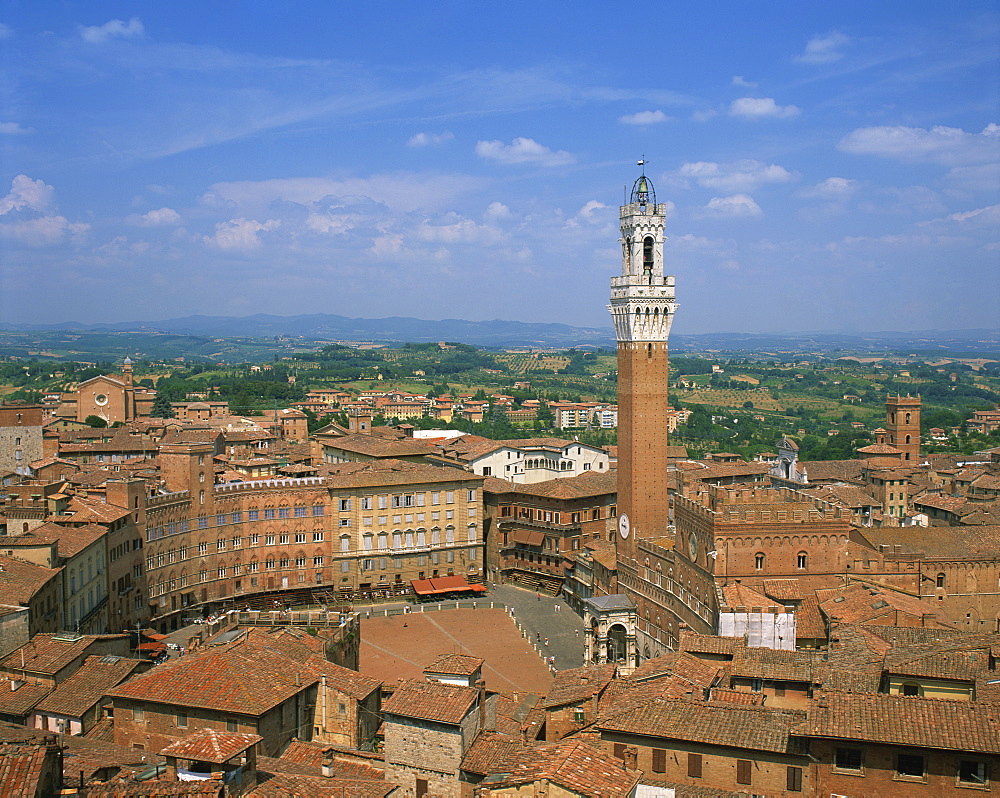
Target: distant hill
[499,333]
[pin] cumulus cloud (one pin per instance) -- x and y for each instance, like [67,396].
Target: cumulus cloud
[736,205]
[42,232]
[741,176]
[427,139]
[644,118]
[832,188]
[824,49]
[240,234]
[949,146]
[13,129]
[497,210]
[113,29]
[760,108]
[739,80]
[522,150]
[458,230]
[27,194]
[160,218]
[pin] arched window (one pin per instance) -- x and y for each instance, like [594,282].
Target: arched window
[759,561]
[802,559]
[647,254]
[907,418]
[940,580]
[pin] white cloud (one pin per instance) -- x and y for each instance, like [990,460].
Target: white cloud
[741,176]
[736,205]
[587,211]
[404,192]
[831,188]
[497,210]
[522,150]
[13,129]
[43,231]
[950,146]
[739,80]
[987,218]
[113,29]
[981,177]
[27,194]
[427,139]
[823,49]
[458,231]
[761,107]
[644,118]
[162,217]
[240,234]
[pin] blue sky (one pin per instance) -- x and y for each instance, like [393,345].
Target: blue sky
[827,166]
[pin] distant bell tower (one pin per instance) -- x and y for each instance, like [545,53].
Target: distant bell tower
[642,306]
[902,425]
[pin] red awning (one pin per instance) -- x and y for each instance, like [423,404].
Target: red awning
[529,537]
[154,635]
[444,584]
[154,647]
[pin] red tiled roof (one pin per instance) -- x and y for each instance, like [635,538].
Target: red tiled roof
[88,685]
[904,720]
[574,765]
[209,745]
[22,766]
[444,703]
[455,664]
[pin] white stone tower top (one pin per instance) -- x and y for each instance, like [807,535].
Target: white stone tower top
[642,299]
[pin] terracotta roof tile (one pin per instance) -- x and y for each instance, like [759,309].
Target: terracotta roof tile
[210,745]
[444,703]
[455,664]
[715,723]
[578,684]
[904,720]
[88,685]
[574,765]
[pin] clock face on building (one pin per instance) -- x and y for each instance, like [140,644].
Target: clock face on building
[693,546]
[624,527]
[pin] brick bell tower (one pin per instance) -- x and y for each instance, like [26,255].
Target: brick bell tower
[642,306]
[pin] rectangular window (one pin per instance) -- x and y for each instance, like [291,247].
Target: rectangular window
[232,726]
[744,769]
[254,539]
[139,714]
[435,498]
[182,720]
[971,771]
[793,779]
[283,512]
[221,544]
[318,510]
[345,521]
[472,495]
[619,750]
[253,515]
[911,765]
[269,540]
[450,497]
[300,537]
[220,519]
[202,522]
[847,759]
[383,502]
[283,539]
[366,502]
[268,513]
[345,505]
[300,512]
[694,763]
[317,537]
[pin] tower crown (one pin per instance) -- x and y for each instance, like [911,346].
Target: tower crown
[642,298]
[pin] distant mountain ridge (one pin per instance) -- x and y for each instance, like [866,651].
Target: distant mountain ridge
[500,333]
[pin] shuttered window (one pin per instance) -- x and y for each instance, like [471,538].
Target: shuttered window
[620,750]
[743,770]
[793,779]
[694,765]
[659,760]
